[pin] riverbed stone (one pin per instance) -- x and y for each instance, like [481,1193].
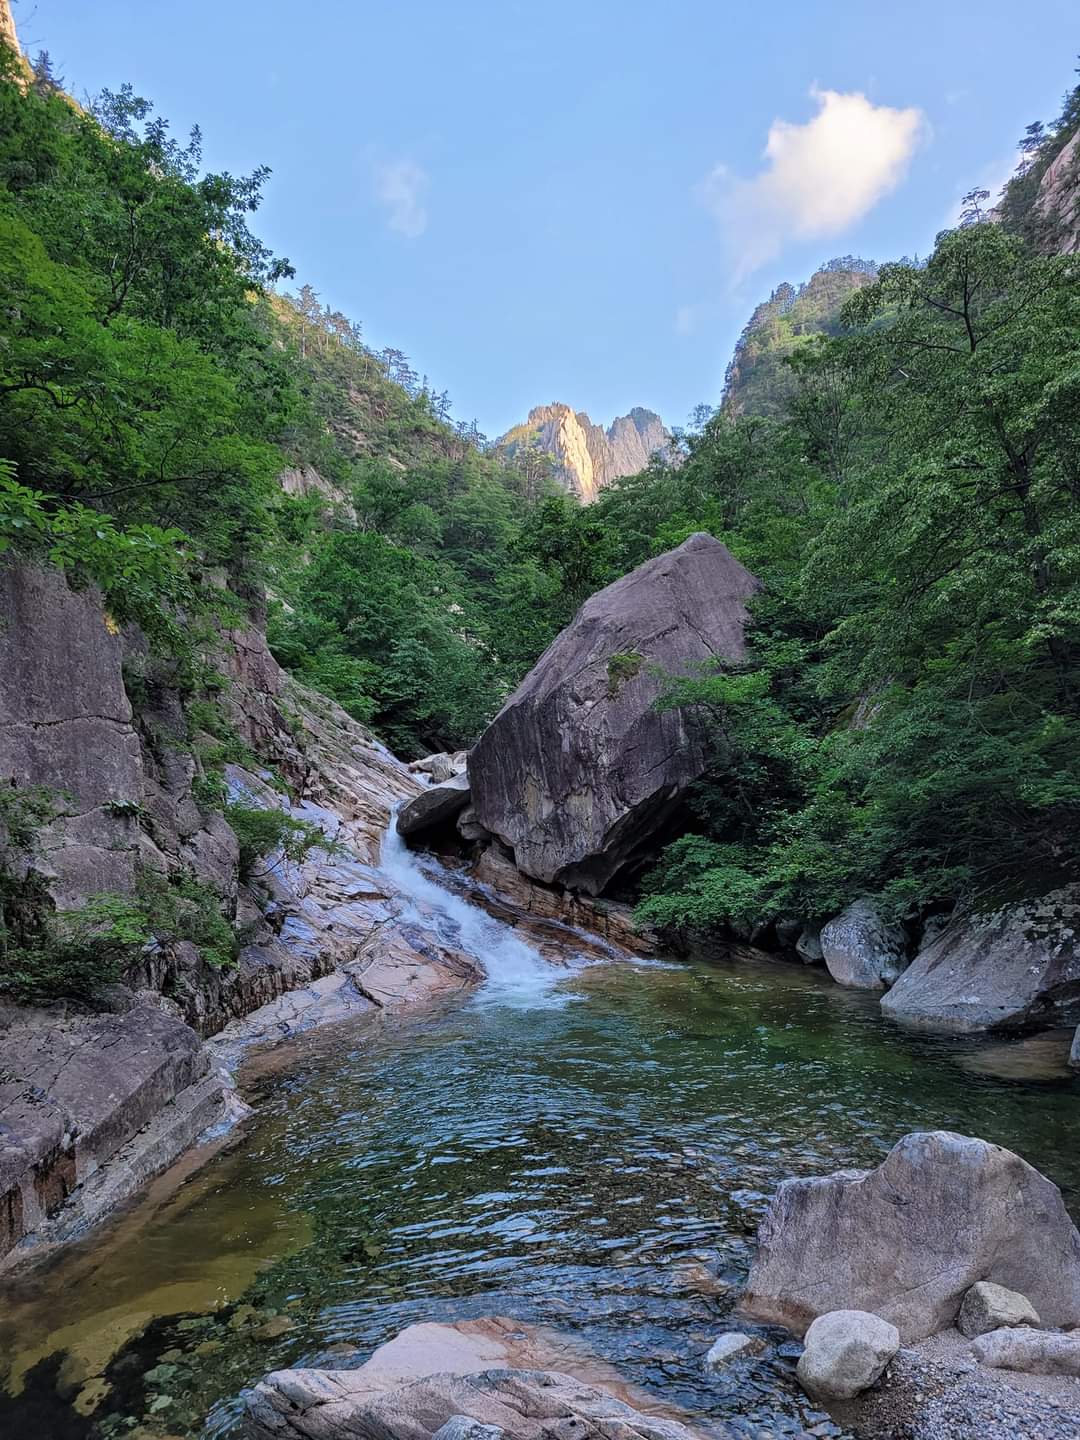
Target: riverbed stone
[989,1307]
[1017,965]
[861,951]
[907,1240]
[1033,1351]
[579,768]
[434,806]
[845,1351]
[734,1345]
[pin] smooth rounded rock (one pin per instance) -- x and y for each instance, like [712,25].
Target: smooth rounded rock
[844,1352]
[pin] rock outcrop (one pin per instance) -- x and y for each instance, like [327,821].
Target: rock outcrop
[1014,966]
[74,1091]
[586,457]
[579,767]
[92,1104]
[907,1241]
[861,951]
[1057,204]
[845,1352]
[476,1372]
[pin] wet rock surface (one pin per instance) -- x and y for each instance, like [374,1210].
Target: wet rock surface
[907,1241]
[579,767]
[479,1372]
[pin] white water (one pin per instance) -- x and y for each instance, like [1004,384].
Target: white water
[517,974]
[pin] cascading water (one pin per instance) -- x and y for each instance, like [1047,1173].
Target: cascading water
[517,972]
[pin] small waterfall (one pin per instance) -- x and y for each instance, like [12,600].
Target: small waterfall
[517,972]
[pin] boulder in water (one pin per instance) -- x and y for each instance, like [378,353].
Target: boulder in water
[434,806]
[579,767]
[1018,965]
[861,951]
[908,1240]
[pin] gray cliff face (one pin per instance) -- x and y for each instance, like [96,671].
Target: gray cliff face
[579,767]
[586,457]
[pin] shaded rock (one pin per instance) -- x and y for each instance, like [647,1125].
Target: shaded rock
[469,827]
[861,951]
[1018,965]
[579,768]
[808,946]
[788,931]
[908,1240]
[990,1307]
[434,806]
[1074,1053]
[520,1404]
[1033,1351]
[844,1352]
[732,1346]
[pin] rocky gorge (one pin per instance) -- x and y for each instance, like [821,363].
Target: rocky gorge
[568,936]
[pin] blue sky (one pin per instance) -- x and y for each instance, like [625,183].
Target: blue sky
[573,201]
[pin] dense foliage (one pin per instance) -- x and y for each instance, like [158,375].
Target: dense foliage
[906,725]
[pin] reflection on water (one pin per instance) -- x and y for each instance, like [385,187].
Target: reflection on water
[600,1168]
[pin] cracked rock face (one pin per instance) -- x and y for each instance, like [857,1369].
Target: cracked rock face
[908,1240]
[579,767]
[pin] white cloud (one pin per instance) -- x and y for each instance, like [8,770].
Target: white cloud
[818,178]
[399,188]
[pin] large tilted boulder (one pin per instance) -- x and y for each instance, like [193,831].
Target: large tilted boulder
[1018,965]
[434,806]
[579,767]
[861,951]
[907,1241]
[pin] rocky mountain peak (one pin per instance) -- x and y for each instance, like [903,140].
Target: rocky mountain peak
[586,456]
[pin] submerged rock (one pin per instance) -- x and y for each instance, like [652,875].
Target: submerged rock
[844,1353]
[1017,965]
[464,1375]
[434,806]
[861,951]
[735,1345]
[579,767]
[1033,1351]
[990,1307]
[908,1240]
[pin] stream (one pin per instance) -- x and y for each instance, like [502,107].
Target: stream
[590,1149]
